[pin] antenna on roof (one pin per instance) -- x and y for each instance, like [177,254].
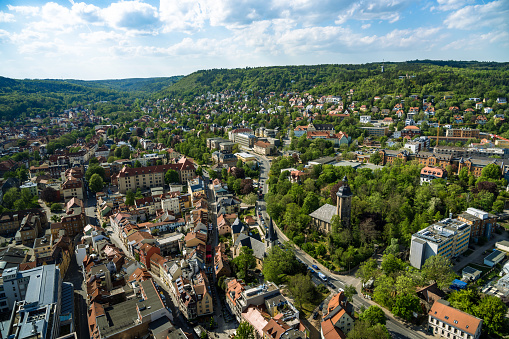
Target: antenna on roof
[383,61]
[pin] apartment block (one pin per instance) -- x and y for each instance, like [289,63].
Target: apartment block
[153,176]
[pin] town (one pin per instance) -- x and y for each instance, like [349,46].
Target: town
[244,214]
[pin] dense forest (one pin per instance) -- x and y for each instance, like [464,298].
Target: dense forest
[32,97]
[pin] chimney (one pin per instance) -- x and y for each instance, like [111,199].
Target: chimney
[450,215]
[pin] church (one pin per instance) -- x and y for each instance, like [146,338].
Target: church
[322,217]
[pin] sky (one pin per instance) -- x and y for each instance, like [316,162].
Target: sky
[100,39]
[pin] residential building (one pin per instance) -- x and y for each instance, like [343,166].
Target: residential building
[337,317]
[130,318]
[238,298]
[429,173]
[376,131]
[29,229]
[448,238]
[263,148]
[153,176]
[462,133]
[448,322]
[482,223]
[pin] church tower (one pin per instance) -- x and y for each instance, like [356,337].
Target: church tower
[270,237]
[344,203]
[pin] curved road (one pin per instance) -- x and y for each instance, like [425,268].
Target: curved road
[397,328]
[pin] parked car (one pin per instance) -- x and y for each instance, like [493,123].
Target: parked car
[315,315]
[315,267]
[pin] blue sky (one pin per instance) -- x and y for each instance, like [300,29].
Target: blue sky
[100,39]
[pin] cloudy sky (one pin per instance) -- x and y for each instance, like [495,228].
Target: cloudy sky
[100,39]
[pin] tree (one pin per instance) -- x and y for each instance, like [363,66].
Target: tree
[363,330]
[125,152]
[302,289]
[137,164]
[367,270]
[199,171]
[244,331]
[492,171]
[405,305]
[278,263]
[464,300]
[244,261]
[246,186]
[375,158]
[391,264]
[93,161]
[49,194]
[129,198]
[96,183]
[94,169]
[55,218]
[349,292]
[171,177]
[373,315]
[250,199]
[438,269]
[491,310]
[55,207]
[10,197]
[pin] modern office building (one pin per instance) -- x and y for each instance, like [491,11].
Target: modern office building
[449,238]
[37,298]
[482,223]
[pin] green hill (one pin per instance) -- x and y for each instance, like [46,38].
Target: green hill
[419,77]
[32,97]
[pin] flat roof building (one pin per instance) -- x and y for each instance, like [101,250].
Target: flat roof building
[449,238]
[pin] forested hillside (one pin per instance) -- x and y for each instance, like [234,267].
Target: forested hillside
[419,77]
[463,79]
[31,97]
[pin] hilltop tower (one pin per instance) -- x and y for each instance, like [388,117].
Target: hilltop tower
[344,203]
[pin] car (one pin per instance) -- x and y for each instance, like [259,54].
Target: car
[315,267]
[311,270]
[315,315]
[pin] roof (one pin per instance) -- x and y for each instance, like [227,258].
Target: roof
[324,213]
[495,256]
[330,331]
[255,318]
[454,317]
[435,171]
[257,246]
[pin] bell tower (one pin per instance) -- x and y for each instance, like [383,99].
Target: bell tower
[344,203]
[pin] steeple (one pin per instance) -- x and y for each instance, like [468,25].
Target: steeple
[270,237]
[344,203]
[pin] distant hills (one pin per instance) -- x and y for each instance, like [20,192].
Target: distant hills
[30,97]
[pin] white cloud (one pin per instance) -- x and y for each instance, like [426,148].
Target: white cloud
[448,5]
[24,10]
[131,16]
[492,14]
[366,26]
[386,10]
[501,38]
[6,17]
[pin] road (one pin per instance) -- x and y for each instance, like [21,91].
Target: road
[396,328]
